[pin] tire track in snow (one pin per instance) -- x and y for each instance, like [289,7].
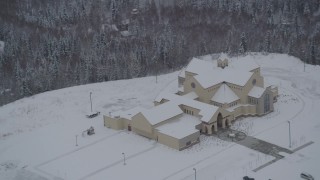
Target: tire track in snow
[37,167]
[119,162]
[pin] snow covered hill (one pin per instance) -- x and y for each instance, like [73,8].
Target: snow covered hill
[38,134]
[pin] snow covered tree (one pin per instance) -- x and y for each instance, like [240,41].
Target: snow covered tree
[243,44]
[267,42]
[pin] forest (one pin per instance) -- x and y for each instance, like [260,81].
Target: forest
[51,44]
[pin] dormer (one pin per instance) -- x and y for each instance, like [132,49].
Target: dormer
[222,63]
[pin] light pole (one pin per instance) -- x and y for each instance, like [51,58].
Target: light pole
[289,134]
[195,173]
[91,101]
[76,140]
[124,158]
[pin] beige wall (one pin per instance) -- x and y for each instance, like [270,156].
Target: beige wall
[175,143]
[116,123]
[199,90]
[168,140]
[192,138]
[113,123]
[191,110]
[141,126]
[244,111]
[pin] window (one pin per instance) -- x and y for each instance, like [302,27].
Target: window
[254,81]
[266,103]
[188,143]
[193,85]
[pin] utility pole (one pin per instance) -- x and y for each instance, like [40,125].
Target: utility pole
[124,158]
[195,173]
[91,101]
[289,134]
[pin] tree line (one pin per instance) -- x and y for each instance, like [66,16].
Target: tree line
[55,44]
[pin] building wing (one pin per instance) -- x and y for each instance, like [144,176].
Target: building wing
[224,95]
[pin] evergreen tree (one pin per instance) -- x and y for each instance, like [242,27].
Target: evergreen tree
[243,43]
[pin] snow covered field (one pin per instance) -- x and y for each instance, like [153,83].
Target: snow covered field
[38,134]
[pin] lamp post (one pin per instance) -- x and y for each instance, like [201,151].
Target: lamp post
[195,173]
[91,101]
[289,134]
[76,140]
[124,158]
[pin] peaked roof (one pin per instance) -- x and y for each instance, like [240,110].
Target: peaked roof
[191,95]
[206,110]
[197,66]
[256,92]
[161,112]
[128,114]
[223,75]
[180,127]
[208,74]
[224,95]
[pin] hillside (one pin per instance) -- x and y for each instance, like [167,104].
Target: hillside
[38,133]
[56,44]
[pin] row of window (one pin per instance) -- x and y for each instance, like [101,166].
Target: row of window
[233,104]
[266,103]
[217,104]
[236,87]
[188,111]
[252,100]
[212,88]
[230,105]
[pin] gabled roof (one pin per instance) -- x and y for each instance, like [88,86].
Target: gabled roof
[224,95]
[217,76]
[209,74]
[206,111]
[197,66]
[161,112]
[256,92]
[128,114]
[181,127]
[182,73]
[191,95]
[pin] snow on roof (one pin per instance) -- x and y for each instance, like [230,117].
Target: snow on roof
[224,95]
[191,95]
[162,112]
[206,110]
[197,66]
[223,75]
[242,64]
[181,127]
[182,73]
[256,92]
[128,114]
[209,74]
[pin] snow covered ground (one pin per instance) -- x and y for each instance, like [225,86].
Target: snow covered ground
[38,134]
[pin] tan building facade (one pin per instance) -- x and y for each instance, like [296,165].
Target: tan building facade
[211,95]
